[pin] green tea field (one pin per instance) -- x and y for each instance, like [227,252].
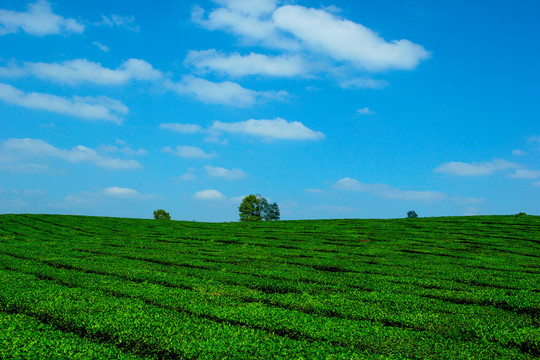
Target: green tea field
[75,287]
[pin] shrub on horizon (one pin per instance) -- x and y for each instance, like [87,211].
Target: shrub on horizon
[412,214]
[257,208]
[161,215]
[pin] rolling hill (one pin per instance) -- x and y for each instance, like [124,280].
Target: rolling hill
[110,288]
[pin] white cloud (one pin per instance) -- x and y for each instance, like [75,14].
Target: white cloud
[15,154]
[518,152]
[181,128]
[253,26]
[107,195]
[252,64]
[189,152]
[249,7]
[535,139]
[125,193]
[475,168]
[537,183]
[348,41]
[525,174]
[30,168]
[388,191]
[208,195]
[220,172]
[333,9]
[38,20]
[237,199]
[319,31]
[189,175]
[98,108]
[101,47]
[216,139]
[126,22]
[82,70]
[270,129]
[363,83]
[123,148]
[225,93]
[365,111]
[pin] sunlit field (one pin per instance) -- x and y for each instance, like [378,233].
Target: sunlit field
[428,288]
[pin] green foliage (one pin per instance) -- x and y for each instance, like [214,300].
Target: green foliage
[249,209]
[106,288]
[257,208]
[269,212]
[161,215]
[412,214]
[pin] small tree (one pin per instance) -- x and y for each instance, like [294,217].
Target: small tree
[412,214]
[269,212]
[257,208]
[249,209]
[161,215]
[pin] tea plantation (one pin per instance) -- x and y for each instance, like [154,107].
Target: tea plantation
[428,288]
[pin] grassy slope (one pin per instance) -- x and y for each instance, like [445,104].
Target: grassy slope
[104,288]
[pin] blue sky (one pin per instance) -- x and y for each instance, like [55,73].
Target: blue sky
[336,109]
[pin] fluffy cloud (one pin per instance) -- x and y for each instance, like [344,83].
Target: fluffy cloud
[15,154]
[253,25]
[125,193]
[249,7]
[107,195]
[98,108]
[475,168]
[209,195]
[318,31]
[365,111]
[191,152]
[101,47]
[525,174]
[252,64]
[122,148]
[220,172]
[38,20]
[225,93]
[126,22]
[348,41]
[388,191]
[363,83]
[189,175]
[270,129]
[82,70]
[181,128]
